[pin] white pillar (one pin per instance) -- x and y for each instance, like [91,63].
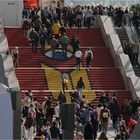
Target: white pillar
[20,8]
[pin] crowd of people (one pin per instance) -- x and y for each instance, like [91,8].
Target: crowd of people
[48,25]
[132,50]
[81,16]
[40,33]
[41,120]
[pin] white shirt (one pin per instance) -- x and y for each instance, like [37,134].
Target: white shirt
[88,13]
[63,76]
[78,54]
[86,54]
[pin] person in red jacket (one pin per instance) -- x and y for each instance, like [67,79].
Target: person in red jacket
[131,124]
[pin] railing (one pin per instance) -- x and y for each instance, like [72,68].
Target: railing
[133,36]
[8,78]
[6,61]
[2,48]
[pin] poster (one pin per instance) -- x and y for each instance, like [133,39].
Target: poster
[31,3]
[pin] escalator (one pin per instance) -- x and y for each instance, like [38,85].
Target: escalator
[130,33]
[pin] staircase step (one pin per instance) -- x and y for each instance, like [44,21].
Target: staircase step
[102,76]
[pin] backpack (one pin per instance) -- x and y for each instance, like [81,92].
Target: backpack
[105,115]
[64,40]
[89,54]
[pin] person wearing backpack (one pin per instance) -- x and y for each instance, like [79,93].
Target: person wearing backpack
[104,118]
[64,41]
[89,57]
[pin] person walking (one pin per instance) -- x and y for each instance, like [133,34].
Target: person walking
[64,81]
[78,55]
[88,16]
[64,41]
[34,40]
[55,132]
[53,44]
[61,98]
[89,57]
[88,131]
[15,55]
[42,41]
[56,29]
[135,54]
[80,86]
[75,43]
[104,118]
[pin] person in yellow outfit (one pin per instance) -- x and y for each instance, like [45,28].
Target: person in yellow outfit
[56,29]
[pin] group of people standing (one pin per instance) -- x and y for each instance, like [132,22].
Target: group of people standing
[132,50]
[78,88]
[54,35]
[42,120]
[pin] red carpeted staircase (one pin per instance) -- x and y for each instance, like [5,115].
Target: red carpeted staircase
[87,37]
[107,78]
[103,76]
[30,78]
[102,58]
[15,37]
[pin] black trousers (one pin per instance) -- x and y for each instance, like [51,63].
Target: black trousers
[63,87]
[135,59]
[88,60]
[78,63]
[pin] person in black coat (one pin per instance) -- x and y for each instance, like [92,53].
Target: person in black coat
[61,98]
[55,132]
[95,124]
[88,131]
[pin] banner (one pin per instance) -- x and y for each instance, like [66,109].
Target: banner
[31,3]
